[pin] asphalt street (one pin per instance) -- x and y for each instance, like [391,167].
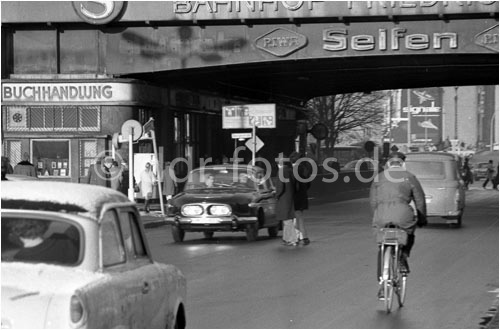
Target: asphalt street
[331,283]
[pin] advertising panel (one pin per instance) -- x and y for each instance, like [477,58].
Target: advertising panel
[426,116]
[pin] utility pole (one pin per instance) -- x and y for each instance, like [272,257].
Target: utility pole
[408,104]
[456,112]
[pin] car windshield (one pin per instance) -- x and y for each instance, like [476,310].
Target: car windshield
[426,169]
[220,178]
[40,241]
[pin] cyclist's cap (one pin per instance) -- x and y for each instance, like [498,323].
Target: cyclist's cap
[399,155]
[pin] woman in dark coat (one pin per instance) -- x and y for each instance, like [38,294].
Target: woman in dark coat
[285,188]
[302,172]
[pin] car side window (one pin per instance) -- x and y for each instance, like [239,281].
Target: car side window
[113,252]
[139,249]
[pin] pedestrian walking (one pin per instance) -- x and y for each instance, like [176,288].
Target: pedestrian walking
[489,175]
[169,181]
[8,168]
[495,180]
[98,174]
[116,176]
[146,182]
[285,209]
[24,167]
[302,172]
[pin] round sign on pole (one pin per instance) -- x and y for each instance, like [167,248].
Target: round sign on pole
[319,131]
[136,129]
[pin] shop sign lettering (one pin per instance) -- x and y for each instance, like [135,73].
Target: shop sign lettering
[186,7]
[393,39]
[27,92]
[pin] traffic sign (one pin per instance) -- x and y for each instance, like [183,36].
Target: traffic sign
[259,144]
[132,127]
[246,115]
[241,135]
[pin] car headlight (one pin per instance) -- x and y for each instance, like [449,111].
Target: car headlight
[192,210]
[220,210]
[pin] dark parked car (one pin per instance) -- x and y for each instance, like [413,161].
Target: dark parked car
[224,198]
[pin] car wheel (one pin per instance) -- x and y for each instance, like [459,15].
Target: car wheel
[177,233]
[252,231]
[208,234]
[273,231]
[459,222]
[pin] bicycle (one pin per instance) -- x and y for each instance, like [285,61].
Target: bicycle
[391,239]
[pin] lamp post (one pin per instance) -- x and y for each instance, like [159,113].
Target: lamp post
[456,112]
[492,127]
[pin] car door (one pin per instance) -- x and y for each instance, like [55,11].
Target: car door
[155,303]
[125,280]
[267,198]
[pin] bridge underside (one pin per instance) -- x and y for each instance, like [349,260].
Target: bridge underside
[296,81]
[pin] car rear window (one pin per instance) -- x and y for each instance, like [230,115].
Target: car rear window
[220,178]
[426,169]
[40,241]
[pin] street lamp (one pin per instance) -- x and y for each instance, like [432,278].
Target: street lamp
[456,112]
[492,127]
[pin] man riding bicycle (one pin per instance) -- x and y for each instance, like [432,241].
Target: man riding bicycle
[391,193]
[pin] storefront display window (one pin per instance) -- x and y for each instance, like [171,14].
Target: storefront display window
[51,157]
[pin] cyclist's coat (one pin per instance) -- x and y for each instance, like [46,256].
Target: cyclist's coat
[390,196]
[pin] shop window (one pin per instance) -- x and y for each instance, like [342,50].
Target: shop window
[88,153]
[53,118]
[51,157]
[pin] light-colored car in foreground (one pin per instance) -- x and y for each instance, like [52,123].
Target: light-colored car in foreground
[439,175]
[76,256]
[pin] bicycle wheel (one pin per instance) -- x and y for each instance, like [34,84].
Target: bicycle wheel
[388,276]
[401,291]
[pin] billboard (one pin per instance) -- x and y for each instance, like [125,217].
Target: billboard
[426,109]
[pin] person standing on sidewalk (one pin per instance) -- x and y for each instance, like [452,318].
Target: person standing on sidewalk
[24,167]
[301,172]
[147,180]
[169,181]
[285,191]
[489,174]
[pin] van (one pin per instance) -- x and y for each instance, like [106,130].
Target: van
[439,175]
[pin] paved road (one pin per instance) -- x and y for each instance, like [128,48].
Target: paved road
[331,283]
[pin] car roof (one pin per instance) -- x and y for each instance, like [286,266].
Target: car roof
[20,177]
[77,198]
[230,166]
[444,156]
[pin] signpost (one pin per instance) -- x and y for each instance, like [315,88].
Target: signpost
[149,127]
[250,116]
[132,129]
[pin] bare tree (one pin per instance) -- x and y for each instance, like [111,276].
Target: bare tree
[343,113]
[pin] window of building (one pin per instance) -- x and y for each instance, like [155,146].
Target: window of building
[53,118]
[35,51]
[51,157]
[13,151]
[88,153]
